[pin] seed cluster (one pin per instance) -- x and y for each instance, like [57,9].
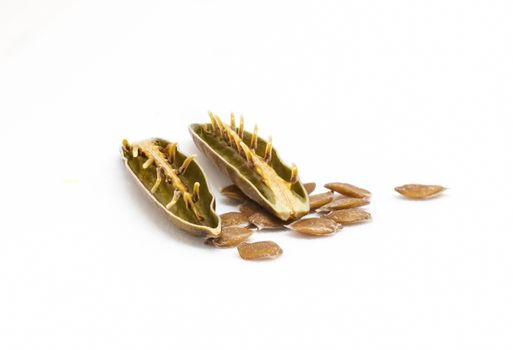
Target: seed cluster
[330,212]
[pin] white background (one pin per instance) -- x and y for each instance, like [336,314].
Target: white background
[375,93]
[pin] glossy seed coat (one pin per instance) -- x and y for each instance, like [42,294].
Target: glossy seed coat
[343,203]
[259,250]
[232,192]
[348,190]
[249,208]
[232,236]
[315,226]
[234,218]
[309,187]
[265,221]
[318,200]
[417,191]
[348,216]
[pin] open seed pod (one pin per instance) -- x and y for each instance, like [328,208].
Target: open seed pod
[175,182]
[253,166]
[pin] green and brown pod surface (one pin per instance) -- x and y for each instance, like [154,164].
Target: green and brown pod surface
[254,166]
[175,182]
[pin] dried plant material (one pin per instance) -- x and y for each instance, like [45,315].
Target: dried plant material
[348,216]
[315,226]
[232,236]
[343,203]
[259,250]
[249,208]
[175,182]
[417,191]
[265,221]
[348,190]
[234,218]
[318,200]
[309,187]
[232,192]
[253,164]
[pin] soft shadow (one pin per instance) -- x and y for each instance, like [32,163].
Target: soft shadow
[403,198]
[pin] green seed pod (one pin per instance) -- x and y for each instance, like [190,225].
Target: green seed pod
[253,166]
[175,182]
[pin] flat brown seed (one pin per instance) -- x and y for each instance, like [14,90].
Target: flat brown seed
[249,208]
[417,191]
[234,218]
[315,226]
[309,187]
[232,192]
[318,200]
[259,250]
[348,216]
[265,221]
[232,236]
[343,203]
[348,190]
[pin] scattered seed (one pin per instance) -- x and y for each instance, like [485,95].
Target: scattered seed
[234,218]
[232,192]
[348,190]
[315,226]
[232,236]
[249,208]
[318,200]
[416,191]
[259,250]
[309,187]
[265,221]
[349,216]
[343,203]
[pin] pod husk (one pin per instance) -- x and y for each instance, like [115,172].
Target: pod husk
[244,177]
[179,215]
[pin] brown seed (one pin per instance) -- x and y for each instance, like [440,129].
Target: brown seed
[343,203]
[318,200]
[234,218]
[232,192]
[348,190]
[259,250]
[315,226]
[249,208]
[232,236]
[348,216]
[309,187]
[265,221]
[416,191]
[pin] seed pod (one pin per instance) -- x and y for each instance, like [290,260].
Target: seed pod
[232,192]
[416,191]
[348,190]
[265,221]
[315,226]
[232,236]
[348,216]
[343,203]
[259,250]
[318,200]
[175,182]
[309,187]
[254,167]
[234,219]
